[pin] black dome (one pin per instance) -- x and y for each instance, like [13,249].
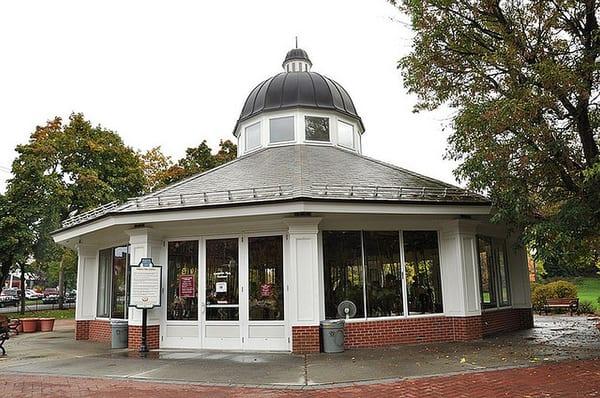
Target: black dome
[296,54]
[298,89]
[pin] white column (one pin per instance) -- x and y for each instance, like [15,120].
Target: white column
[459,268]
[144,243]
[302,271]
[518,272]
[87,282]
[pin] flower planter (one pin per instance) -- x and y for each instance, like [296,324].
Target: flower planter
[29,325]
[46,324]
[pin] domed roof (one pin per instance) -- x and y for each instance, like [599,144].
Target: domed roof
[296,54]
[298,89]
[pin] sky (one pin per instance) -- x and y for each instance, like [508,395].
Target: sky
[173,73]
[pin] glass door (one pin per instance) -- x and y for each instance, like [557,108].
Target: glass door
[180,323]
[221,326]
[265,327]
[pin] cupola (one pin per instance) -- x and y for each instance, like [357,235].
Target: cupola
[298,106]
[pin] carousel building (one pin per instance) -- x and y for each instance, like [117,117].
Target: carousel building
[256,252]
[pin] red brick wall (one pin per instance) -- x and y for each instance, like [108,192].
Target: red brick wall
[82,330]
[412,331]
[135,337]
[506,320]
[100,331]
[305,339]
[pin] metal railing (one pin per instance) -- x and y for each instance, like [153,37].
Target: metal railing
[394,193]
[274,192]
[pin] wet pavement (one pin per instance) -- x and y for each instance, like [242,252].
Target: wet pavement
[554,338]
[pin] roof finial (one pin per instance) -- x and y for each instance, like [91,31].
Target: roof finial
[296,41]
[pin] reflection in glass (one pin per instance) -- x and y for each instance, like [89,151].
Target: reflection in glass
[423,280]
[383,273]
[222,297]
[252,134]
[119,290]
[486,275]
[182,289]
[265,277]
[503,273]
[342,267]
[317,128]
[345,135]
[104,282]
[112,283]
[281,129]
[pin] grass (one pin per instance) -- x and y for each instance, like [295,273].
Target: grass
[58,314]
[588,289]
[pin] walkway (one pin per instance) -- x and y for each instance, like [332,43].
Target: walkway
[565,379]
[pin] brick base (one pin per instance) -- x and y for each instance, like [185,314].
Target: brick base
[417,330]
[305,339]
[506,320]
[134,338]
[82,330]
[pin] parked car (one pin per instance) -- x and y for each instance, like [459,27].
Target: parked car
[70,296]
[9,296]
[31,294]
[50,295]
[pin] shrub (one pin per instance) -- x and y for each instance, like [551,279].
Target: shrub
[563,289]
[586,307]
[556,289]
[539,295]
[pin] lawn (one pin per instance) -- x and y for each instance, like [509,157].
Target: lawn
[588,289]
[58,314]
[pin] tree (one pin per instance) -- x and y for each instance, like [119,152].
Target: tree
[66,168]
[522,78]
[161,171]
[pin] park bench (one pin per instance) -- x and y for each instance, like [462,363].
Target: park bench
[571,304]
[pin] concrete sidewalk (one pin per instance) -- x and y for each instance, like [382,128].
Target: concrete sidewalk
[555,338]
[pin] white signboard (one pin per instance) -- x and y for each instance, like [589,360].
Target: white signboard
[221,287]
[145,287]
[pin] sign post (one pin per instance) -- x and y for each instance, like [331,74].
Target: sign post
[146,286]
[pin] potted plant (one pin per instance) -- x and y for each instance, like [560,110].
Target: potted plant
[29,325]
[46,324]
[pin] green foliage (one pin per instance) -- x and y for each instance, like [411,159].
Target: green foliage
[557,289]
[522,80]
[57,314]
[586,307]
[160,170]
[63,168]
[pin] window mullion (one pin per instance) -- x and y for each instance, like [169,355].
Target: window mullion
[364,279]
[403,268]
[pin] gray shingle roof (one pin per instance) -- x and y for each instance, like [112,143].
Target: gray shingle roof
[294,172]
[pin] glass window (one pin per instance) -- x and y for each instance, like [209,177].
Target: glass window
[265,278]
[222,270]
[503,274]
[112,283]
[104,282]
[182,288]
[317,128]
[423,279]
[252,134]
[345,135]
[281,129]
[383,273]
[343,273]
[486,273]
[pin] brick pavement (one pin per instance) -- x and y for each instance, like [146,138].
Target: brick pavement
[564,379]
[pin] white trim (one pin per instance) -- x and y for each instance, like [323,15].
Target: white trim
[183,214]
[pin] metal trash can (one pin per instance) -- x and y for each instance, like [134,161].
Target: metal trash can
[119,329]
[332,333]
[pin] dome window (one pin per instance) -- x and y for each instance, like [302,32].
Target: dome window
[346,135]
[317,128]
[252,134]
[281,129]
